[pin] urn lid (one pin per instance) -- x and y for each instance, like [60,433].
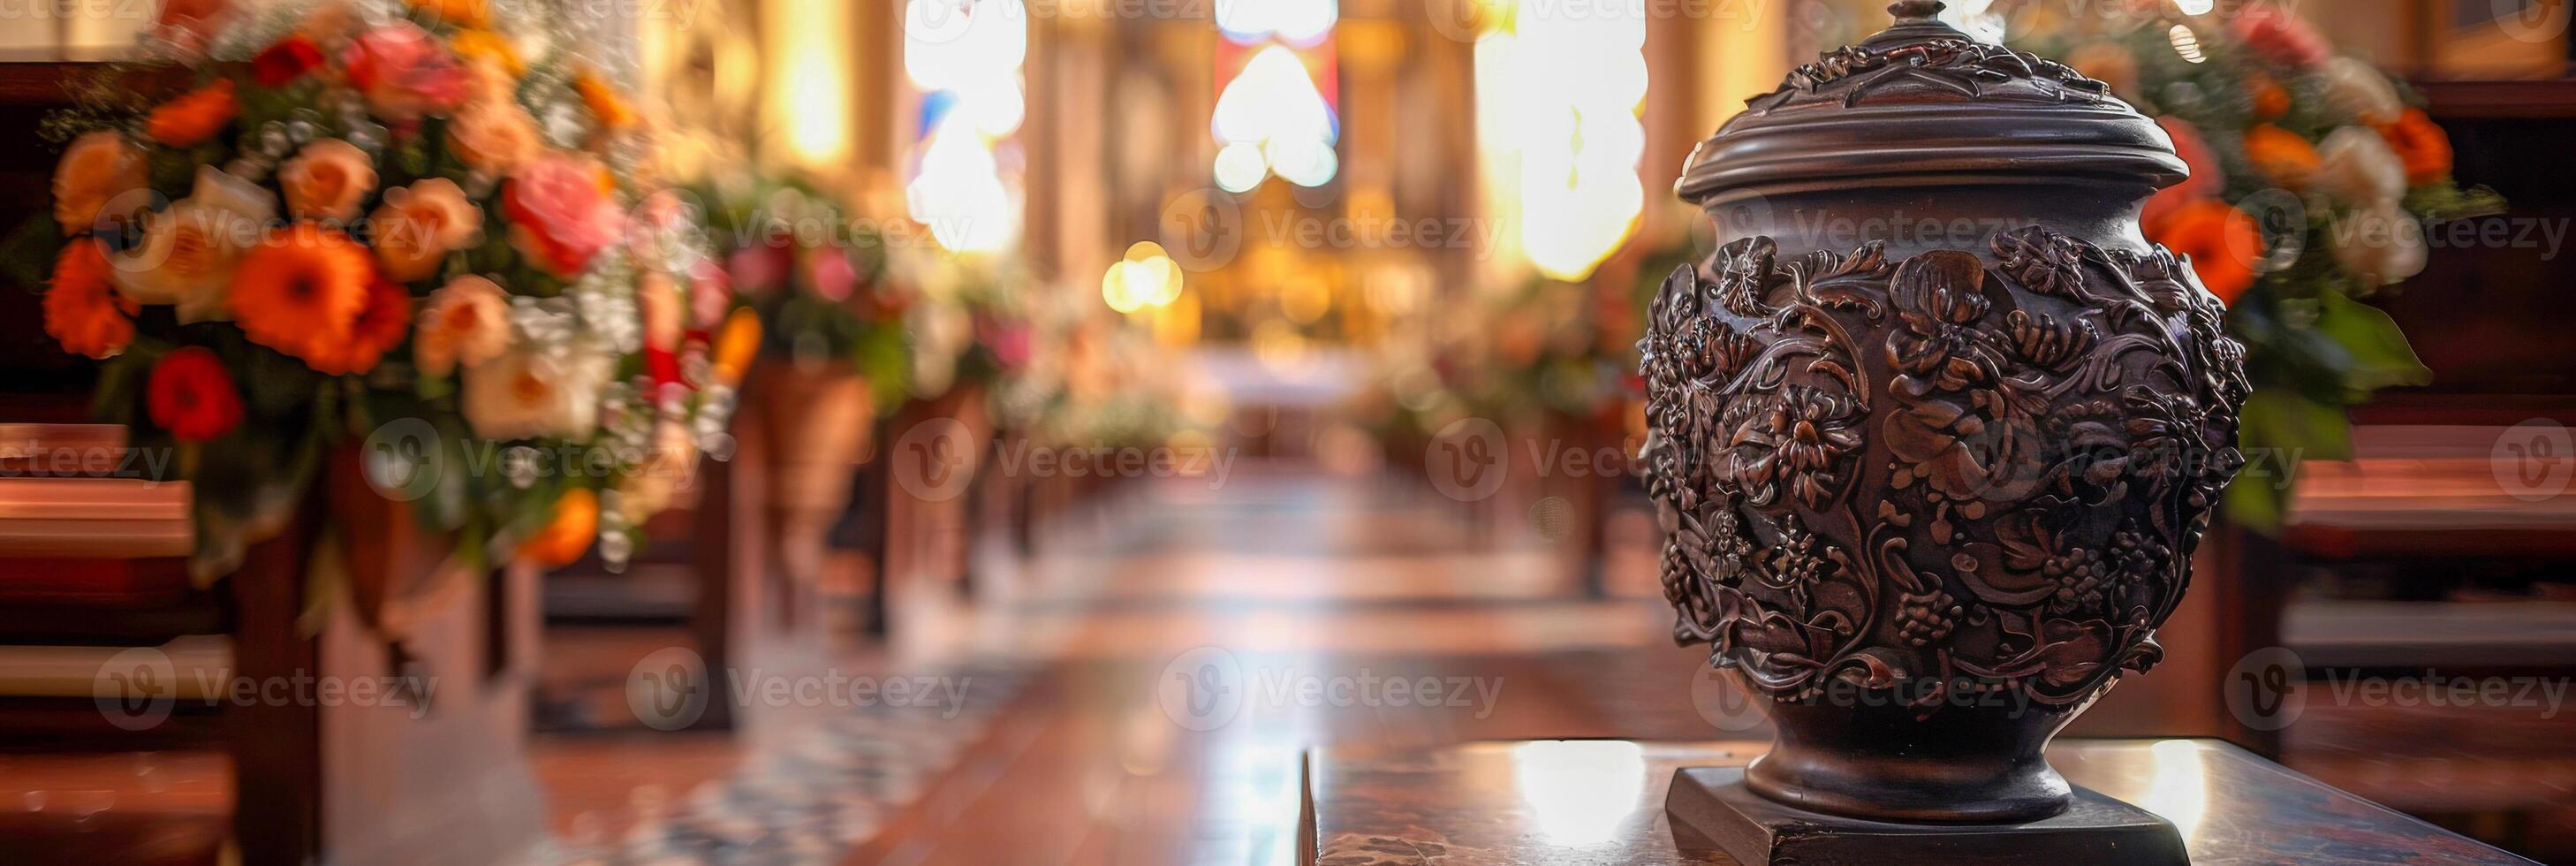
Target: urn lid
[1923,103]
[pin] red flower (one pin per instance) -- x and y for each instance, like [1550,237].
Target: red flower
[662,365]
[2281,36]
[285,61]
[192,396]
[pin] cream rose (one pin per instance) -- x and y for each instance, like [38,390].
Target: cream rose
[189,251]
[525,393]
[493,137]
[494,83]
[465,322]
[2383,243]
[2357,88]
[97,167]
[2357,167]
[327,180]
[418,225]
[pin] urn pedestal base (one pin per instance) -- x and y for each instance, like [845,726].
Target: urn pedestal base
[1710,807]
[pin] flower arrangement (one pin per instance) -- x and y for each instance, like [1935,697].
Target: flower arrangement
[969,327]
[1562,347]
[420,223]
[1072,373]
[819,281]
[2312,179]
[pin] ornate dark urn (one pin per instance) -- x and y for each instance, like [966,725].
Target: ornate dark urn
[1933,436]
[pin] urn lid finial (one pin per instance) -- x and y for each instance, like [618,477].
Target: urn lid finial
[1924,103]
[1916,11]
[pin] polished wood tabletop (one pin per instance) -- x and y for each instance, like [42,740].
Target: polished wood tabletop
[1602,801]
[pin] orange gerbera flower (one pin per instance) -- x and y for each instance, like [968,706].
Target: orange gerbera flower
[735,345]
[194,117]
[381,325]
[462,13]
[2221,241]
[569,533]
[2422,144]
[2271,100]
[301,290]
[2281,155]
[83,311]
[604,101]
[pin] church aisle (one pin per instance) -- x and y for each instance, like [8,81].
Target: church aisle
[1212,635]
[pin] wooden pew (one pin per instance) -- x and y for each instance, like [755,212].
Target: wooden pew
[319,773]
[735,560]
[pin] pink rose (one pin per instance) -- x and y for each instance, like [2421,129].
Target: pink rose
[834,278]
[758,269]
[404,73]
[560,213]
[2280,36]
[1010,341]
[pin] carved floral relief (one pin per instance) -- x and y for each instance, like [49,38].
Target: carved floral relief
[1954,471]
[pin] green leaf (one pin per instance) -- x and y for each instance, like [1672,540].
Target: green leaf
[2283,427]
[2255,506]
[2379,353]
[27,256]
[2279,430]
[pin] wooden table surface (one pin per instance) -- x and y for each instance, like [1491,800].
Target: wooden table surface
[1602,802]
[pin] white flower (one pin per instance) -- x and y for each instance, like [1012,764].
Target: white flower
[525,393]
[2356,166]
[610,316]
[2358,89]
[2381,243]
[189,251]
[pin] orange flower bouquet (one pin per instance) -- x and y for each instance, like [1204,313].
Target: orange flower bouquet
[2313,180]
[420,224]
